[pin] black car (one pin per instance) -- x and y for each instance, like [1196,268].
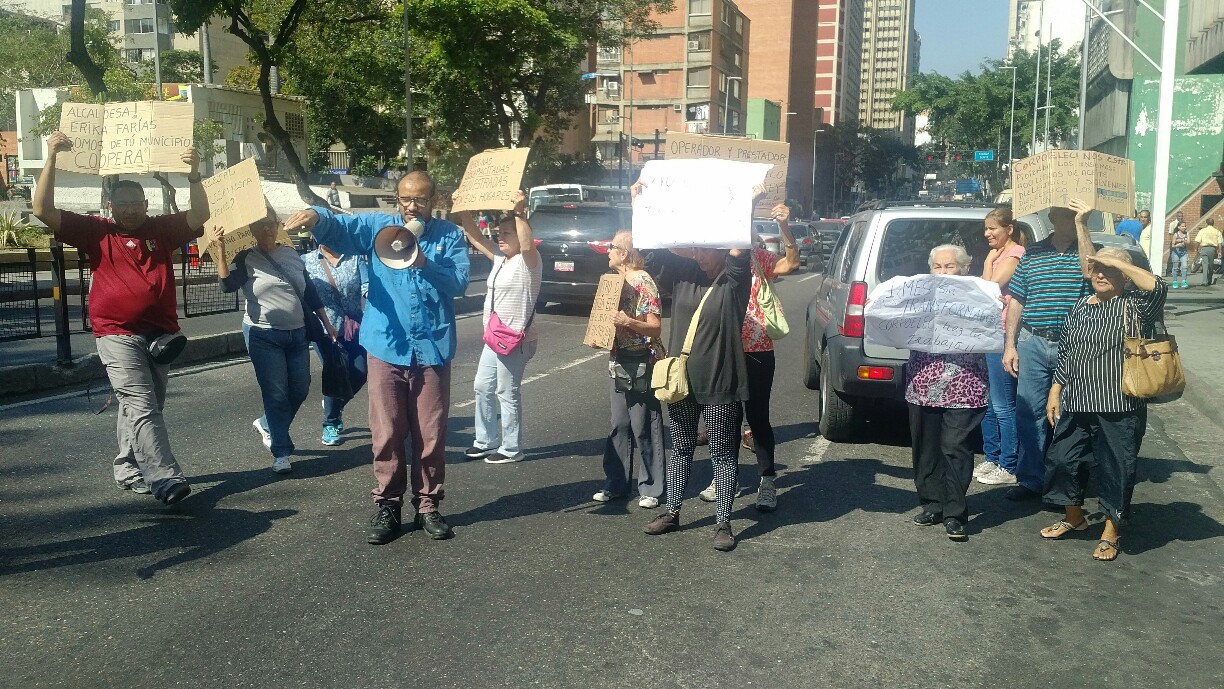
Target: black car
[573,240]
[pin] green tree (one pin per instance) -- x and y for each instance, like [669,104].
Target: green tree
[177,66]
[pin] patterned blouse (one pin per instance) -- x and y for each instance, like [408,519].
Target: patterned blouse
[754,335]
[639,297]
[950,381]
[351,274]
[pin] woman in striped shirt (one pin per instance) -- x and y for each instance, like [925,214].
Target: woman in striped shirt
[1096,427]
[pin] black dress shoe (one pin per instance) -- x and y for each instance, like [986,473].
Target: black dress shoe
[434,524]
[927,518]
[176,493]
[385,524]
[955,529]
[1020,493]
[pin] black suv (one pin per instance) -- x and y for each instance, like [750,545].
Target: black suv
[573,240]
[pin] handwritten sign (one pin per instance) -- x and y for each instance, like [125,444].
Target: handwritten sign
[696,203]
[127,138]
[941,314]
[681,146]
[601,331]
[490,181]
[235,200]
[1053,178]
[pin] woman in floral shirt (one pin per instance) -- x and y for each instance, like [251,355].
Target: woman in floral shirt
[947,395]
[637,417]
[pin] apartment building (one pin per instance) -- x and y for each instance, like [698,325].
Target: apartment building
[891,48]
[839,59]
[1031,23]
[690,76]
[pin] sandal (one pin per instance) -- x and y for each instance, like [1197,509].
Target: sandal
[1064,527]
[1106,548]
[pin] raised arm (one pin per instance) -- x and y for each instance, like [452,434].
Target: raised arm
[1140,277]
[345,234]
[44,196]
[526,238]
[475,237]
[199,212]
[1083,239]
[790,262]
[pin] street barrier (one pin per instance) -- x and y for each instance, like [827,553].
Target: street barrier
[19,318]
[201,288]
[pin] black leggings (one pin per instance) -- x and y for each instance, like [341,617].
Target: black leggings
[722,422]
[756,409]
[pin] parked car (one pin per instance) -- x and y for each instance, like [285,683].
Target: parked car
[825,233]
[771,239]
[573,240]
[892,239]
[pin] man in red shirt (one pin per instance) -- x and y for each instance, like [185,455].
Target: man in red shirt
[132,304]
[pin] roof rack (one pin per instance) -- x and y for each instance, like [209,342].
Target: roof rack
[879,205]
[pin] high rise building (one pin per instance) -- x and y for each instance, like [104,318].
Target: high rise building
[839,59]
[890,57]
[1038,22]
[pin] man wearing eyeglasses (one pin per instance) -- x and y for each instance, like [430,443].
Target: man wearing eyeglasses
[408,332]
[133,311]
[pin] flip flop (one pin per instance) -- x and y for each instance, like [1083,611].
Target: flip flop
[1066,527]
[1102,546]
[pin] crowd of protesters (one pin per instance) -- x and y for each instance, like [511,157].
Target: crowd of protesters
[382,286]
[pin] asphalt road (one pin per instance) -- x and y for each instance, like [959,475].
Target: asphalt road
[259,580]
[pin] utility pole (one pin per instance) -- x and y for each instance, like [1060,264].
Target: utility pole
[206,53]
[156,53]
[1083,103]
[408,143]
[1037,77]
[1049,91]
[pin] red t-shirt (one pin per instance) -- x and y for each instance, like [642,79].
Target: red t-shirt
[133,273]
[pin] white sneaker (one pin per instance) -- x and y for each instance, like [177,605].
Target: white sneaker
[647,502]
[998,477]
[263,433]
[767,495]
[710,495]
[281,465]
[602,496]
[984,468]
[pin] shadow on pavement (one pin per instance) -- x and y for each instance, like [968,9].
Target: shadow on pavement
[542,500]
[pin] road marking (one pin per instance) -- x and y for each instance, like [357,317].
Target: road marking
[538,376]
[816,451]
[809,277]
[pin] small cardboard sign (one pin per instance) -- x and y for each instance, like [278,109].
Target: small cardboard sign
[235,200]
[777,153]
[490,181]
[601,331]
[1053,178]
[136,137]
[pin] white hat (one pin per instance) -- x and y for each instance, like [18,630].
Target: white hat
[396,247]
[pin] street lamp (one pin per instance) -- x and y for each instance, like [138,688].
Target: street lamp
[1011,127]
[727,101]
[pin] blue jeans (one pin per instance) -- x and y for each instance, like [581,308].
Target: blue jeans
[333,407]
[1177,265]
[999,424]
[1038,359]
[496,385]
[281,359]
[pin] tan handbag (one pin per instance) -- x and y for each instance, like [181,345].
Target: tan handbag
[1151,368]
[670,377]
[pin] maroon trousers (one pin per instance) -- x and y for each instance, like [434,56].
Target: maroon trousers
[409,401]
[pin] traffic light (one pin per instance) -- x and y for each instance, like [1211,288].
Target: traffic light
[958,156]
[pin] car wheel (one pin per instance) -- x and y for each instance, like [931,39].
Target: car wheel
[837,416]
[811,365]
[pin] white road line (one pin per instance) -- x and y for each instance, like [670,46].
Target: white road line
[809,277]
[816,451]
[538,376]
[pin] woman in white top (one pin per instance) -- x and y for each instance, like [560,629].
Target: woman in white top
[513,287]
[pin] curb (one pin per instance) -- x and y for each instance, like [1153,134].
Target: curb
[1198,395]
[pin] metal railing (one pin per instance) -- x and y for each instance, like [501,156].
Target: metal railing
[19,318]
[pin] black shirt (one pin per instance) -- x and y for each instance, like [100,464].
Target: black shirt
[716,369]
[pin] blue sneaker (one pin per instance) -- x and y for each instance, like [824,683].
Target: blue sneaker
[1175,285]
[331,435]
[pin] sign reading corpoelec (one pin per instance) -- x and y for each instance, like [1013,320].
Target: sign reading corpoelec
[941,314]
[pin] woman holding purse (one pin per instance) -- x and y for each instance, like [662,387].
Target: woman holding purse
[279,299]
[637,416]
[510,341]
[341,283]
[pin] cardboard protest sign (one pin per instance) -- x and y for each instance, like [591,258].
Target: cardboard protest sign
[601,331]
[137,137]
[82,123]
[490,181]
[681,146]
[235,200]
[1053,178]
[696,203]
[941,314]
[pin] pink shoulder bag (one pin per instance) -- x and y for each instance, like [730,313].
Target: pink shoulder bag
[501,338]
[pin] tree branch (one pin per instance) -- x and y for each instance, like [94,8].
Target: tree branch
[78,55]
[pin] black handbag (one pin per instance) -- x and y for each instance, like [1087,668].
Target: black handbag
[337,370]
[631,372]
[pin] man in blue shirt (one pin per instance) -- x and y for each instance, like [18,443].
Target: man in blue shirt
[409,332]
[1130,226]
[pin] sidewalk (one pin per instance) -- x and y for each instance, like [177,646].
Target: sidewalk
[29,366]
[1195,316]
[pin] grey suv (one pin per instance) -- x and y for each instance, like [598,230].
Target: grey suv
[881,243]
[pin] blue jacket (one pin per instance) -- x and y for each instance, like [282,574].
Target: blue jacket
[410,313]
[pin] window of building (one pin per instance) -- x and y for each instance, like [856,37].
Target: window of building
[115,25]
[699,77]
[699,7]
[139,54]
[140,26]
[608,53]
[725,14]
[739,24]
[699,41]
[295,125]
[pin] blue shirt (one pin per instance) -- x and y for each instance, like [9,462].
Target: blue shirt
[1047,283]
[351,275]
[1130,226]
[410,313]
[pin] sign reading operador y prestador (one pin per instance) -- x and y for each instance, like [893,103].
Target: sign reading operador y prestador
[777,153]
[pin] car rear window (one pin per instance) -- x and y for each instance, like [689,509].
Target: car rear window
[907,245]
[825,226]
[590,224]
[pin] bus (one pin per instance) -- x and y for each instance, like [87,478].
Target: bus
[575,193]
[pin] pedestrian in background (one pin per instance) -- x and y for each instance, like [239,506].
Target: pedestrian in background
[1179,242]
[333,195]
[342,283]
[1145,230]
[408,331]
[1128,226]
[510,340]
[1098,429]
[999,423]
[279,298]
[637,416]
[1209,240]
[947,398]
[133,311]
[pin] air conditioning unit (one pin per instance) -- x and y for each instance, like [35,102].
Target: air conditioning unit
[676,107]
[694,45]
[612,86]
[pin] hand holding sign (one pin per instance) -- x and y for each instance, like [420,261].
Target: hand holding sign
[695,203]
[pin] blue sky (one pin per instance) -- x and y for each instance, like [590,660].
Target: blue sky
[958,34]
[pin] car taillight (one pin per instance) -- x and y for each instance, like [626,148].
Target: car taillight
[537,241]
[852,323]
[601,247]
[806,240]
[875,373]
